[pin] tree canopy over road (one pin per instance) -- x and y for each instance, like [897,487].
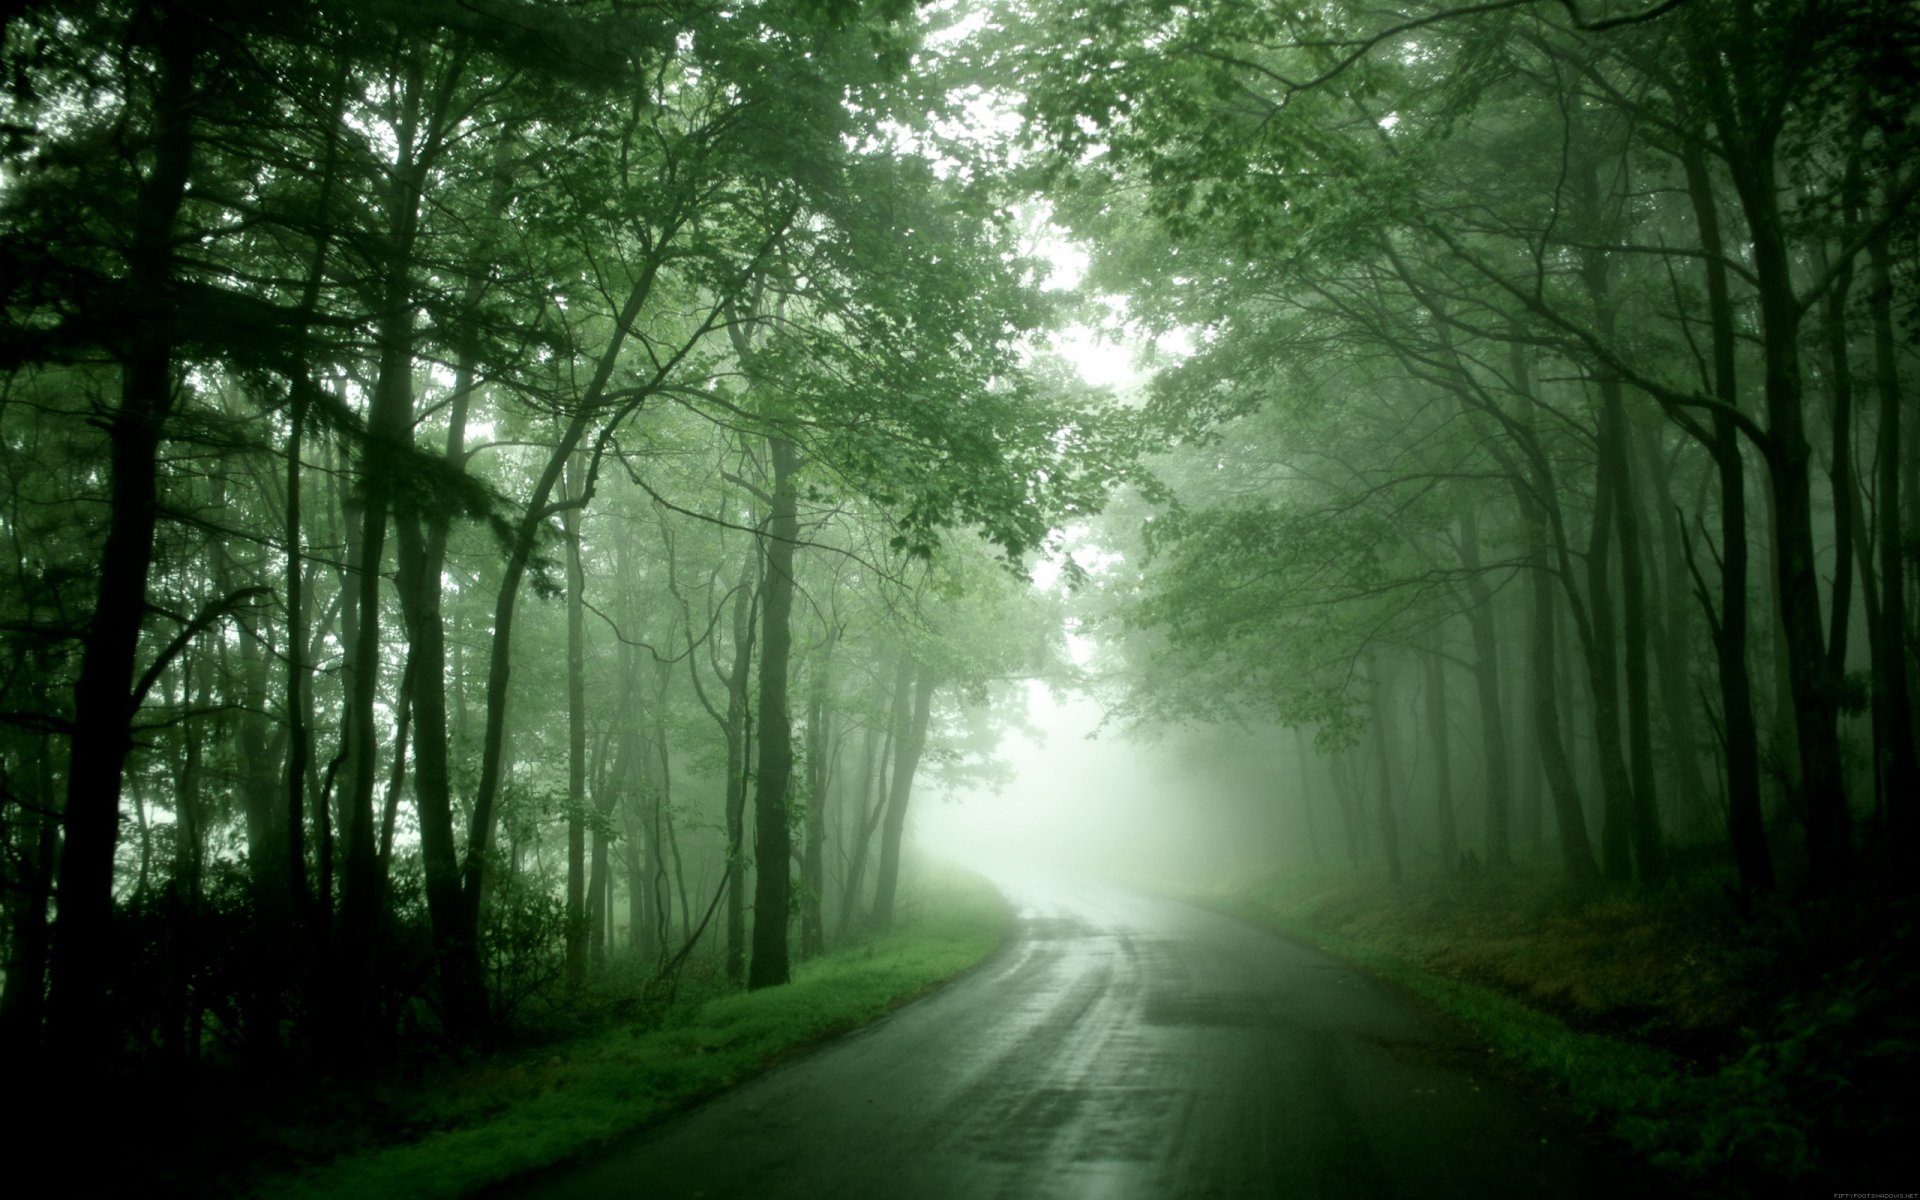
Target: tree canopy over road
[497,493]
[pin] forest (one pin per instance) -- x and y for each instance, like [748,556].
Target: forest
[514,508]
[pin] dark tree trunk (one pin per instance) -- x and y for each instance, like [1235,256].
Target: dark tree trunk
[23,1003]
[456,945]
[1823,796]
[1486,680]
[873,785]
[909,744]
[1892,693]
[655,797]
[1576,850]
[773,837]
[738,751]
[576,743]
[389,432]
[1672,647]
[1603,674]
[82,977]
[1616,468]
[1749,126]
[1740,734]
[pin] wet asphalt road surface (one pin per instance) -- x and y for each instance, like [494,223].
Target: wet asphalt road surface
[1125,1046]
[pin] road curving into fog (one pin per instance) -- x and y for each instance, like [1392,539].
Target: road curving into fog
[1124,1046]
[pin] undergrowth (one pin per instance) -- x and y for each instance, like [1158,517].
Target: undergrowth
[451,1130]
[1745,1052]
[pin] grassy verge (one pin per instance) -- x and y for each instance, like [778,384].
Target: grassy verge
[497,1118]
[1742,1052]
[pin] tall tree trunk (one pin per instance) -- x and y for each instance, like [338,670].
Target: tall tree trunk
[1389,825]
[1749,128]
[421,555]
[910,743]
[613,789]
[389,431]
[576,742]
[1746,831]
[813,871]
[874,785]
[1672,646]
[1442,761]
[81,1028]
[1570,821]
[1616,465]
[656,779]
[456,947]
[1892,693]
[739,676]
[772,837]
[1603,674]
[1486,680]
[1341,770]
[1302,749]
[591,407]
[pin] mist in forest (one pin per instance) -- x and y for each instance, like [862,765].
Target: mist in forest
[517,519]
[1086,799]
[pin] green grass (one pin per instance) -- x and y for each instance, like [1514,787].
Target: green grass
[501,1118]
[1743,1053]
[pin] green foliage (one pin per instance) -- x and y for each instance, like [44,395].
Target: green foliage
[523,936]
[1642,1011]
[505,1117]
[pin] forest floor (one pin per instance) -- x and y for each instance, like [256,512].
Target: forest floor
[1745,1052]
[443,1128]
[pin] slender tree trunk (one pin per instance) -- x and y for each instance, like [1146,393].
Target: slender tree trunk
[738,743]
[910,743]
[1389,825]
[1892,693]
[599,878]
[1341,770]
[1603,673]
[1302,749]
[576,742]
[873,785]
[1442,762]
[590,407]
[654,799]
[389,422]
[813,873]
[1748,140]
[1616,465]
[1673,648]
[773,837]
[1746,829]
[1486,679]
[1570,821]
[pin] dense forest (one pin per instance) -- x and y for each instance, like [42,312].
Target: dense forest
[1557,357]
[498,494]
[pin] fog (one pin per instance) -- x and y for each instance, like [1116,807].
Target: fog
[1085,797]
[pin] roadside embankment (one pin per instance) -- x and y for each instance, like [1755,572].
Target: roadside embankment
[1741,1051]
[459,1128]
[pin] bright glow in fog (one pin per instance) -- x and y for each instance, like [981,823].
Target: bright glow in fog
[1104,805]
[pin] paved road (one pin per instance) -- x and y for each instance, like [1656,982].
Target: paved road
[1124,1046]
